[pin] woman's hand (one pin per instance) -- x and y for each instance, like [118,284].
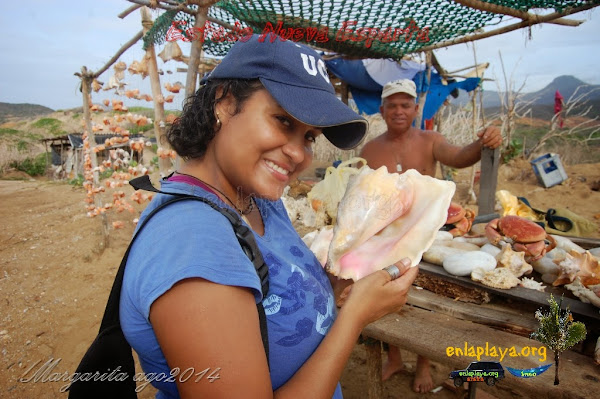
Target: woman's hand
[376,295]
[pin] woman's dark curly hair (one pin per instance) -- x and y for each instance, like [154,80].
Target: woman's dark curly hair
[191,133]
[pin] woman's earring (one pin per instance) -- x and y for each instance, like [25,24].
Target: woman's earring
[218,122]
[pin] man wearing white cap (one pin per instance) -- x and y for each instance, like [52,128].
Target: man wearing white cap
[404,147]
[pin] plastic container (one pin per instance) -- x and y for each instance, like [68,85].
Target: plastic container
[549,170]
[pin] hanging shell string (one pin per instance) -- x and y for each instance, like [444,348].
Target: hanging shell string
[246,211]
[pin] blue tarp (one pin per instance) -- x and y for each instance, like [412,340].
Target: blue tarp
[367,92]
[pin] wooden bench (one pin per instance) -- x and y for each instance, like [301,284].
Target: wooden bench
[429,333]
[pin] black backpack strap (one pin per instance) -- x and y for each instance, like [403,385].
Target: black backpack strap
[243,234]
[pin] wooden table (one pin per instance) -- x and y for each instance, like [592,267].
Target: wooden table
[430,323]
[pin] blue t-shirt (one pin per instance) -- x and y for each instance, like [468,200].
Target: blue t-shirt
[189,239]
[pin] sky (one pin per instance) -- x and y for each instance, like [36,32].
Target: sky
[47,41]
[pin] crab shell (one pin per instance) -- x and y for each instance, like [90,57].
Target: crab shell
[527,236]
[461,218]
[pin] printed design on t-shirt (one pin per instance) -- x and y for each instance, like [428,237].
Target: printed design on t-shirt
[294,250]
[304,328]
[325,317]
[272,304]
[273,264]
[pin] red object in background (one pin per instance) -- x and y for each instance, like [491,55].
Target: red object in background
[429,124]
[558,106]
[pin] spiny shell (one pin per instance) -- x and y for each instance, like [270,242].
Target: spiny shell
[498,278]
[463,264]
[514,261]
[530,283]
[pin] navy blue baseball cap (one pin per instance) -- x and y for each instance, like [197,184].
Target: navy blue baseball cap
[296,77]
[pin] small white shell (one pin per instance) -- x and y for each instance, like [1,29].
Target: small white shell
[463,264]
[545,265]
[437,253]
[595,252]
[479,241]
[465,246]
[530,283]
[491,249]
[567,245]
[443,236]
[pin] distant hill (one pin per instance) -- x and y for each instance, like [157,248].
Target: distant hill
[542,100]
[8,110]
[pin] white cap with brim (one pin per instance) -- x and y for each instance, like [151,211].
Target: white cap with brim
[296,77]
[399,86]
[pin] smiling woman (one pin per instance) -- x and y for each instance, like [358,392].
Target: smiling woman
[190,293]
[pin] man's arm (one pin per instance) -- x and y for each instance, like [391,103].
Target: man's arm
[461,157]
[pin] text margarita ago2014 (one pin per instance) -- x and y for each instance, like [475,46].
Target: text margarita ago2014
[349,32]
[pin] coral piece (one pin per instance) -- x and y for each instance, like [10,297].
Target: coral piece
[384,217]
[500,277]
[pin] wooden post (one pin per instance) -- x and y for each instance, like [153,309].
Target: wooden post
[195,52]
[344,92]
[164,164]
[375,385]
[423,95]
[490,160]
[86,89]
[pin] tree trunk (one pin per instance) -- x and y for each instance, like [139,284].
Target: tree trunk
[556,358]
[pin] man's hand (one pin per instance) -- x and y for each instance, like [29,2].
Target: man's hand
[490,137]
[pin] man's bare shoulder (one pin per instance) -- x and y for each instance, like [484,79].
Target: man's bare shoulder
[429,135]
[374,144]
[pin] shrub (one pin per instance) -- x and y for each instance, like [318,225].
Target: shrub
[32,166]
[53,126]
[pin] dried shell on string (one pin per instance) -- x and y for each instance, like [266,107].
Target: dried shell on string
[140,68]
[171,51]
[173,88]
[119,68]
[513,261]
[501,278]
[96,85]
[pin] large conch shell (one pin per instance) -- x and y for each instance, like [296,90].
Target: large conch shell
[384,217]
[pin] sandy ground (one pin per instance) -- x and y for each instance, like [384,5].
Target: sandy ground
[55,275]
